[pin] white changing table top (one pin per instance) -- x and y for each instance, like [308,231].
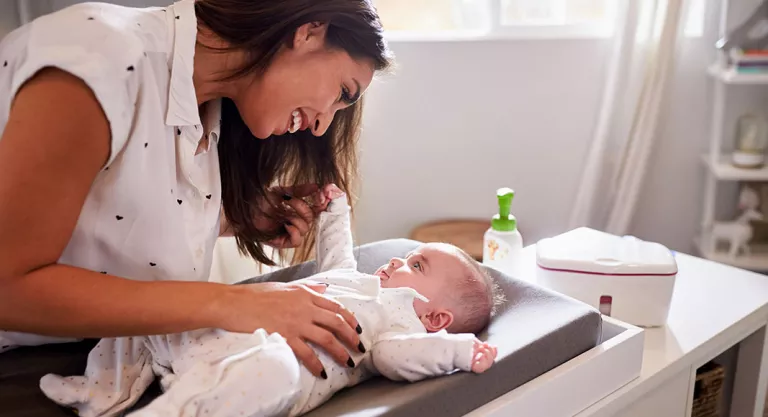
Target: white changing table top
[714,306]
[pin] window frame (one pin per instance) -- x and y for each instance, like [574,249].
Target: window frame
[693,26]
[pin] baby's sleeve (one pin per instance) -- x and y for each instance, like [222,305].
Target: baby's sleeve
[413,357]
[334,237]
[107,58]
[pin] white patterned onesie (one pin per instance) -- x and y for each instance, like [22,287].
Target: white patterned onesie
[216,373]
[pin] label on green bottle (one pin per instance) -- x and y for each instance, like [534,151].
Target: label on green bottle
[495,250]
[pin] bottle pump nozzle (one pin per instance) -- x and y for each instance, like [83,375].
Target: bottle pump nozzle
[504,222]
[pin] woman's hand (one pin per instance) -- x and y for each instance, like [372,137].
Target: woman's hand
[298,313]
[300,216]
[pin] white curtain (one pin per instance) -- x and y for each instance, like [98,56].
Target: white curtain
[641,64]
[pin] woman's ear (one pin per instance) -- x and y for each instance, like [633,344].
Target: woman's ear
[310,34]
[437,320]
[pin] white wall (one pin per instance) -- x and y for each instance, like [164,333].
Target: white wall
[461,119]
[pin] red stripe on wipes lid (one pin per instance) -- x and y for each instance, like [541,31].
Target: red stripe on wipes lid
[621,274]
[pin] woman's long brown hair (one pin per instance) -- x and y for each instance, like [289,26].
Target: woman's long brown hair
[249,166]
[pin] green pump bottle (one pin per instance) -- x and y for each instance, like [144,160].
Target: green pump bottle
[503,242]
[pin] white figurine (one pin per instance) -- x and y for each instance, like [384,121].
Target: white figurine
[738,232]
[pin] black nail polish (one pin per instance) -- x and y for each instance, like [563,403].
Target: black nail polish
[360,347]
[323,374]
[359,329]
[350,363]
[286,197]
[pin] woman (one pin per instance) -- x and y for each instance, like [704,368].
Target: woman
[133,138]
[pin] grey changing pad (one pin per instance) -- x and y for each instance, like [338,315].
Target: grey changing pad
[538,331]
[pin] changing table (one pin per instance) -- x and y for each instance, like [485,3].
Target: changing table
[714,308]
[627,372]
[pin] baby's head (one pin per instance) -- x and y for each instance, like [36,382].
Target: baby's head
[462,296]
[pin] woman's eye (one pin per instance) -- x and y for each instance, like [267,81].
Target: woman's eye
[345,97]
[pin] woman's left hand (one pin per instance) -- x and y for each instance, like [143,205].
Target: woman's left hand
[301,216]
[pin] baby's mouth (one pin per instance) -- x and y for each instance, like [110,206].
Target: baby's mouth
[382,272]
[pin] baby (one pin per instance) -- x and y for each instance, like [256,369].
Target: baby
[419,317]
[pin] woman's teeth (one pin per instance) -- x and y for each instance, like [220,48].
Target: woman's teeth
[296,124]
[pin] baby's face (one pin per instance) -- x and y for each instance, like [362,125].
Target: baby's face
[431,269]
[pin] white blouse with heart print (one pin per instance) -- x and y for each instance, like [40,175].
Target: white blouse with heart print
[153,211]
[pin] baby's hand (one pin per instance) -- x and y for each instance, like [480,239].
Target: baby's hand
[325,195]
[332,192]
[483,356]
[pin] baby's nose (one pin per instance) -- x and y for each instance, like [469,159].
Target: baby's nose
[396,263]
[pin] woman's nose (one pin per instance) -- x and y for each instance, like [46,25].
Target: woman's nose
[322,123]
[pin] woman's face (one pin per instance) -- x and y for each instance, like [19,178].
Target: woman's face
[304,86]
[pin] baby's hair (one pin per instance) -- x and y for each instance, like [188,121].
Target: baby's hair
[479,298]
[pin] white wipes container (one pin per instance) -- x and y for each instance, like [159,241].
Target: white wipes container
[624,277]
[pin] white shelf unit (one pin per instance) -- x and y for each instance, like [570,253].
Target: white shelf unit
[723,170]
[718,164]
[756,261]
[731,76]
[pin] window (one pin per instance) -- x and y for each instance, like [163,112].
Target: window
[553,12]
[569,18]
[489,18]
[447,19]
[424,17]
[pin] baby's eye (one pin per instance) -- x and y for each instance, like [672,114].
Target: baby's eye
[417,265]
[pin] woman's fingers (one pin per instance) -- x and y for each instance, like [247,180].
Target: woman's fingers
[319,288]
[299,223]
[302,190]
[307,356]
[294,235]
[328,342]
[282,242]
[336,324]
[292,239]
[303,210]
[336,308]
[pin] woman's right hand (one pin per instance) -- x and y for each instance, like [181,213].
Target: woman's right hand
[299,313]
[299,216]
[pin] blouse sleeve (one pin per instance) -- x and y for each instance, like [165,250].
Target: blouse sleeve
[104,55]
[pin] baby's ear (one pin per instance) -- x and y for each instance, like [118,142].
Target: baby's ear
[437,320]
